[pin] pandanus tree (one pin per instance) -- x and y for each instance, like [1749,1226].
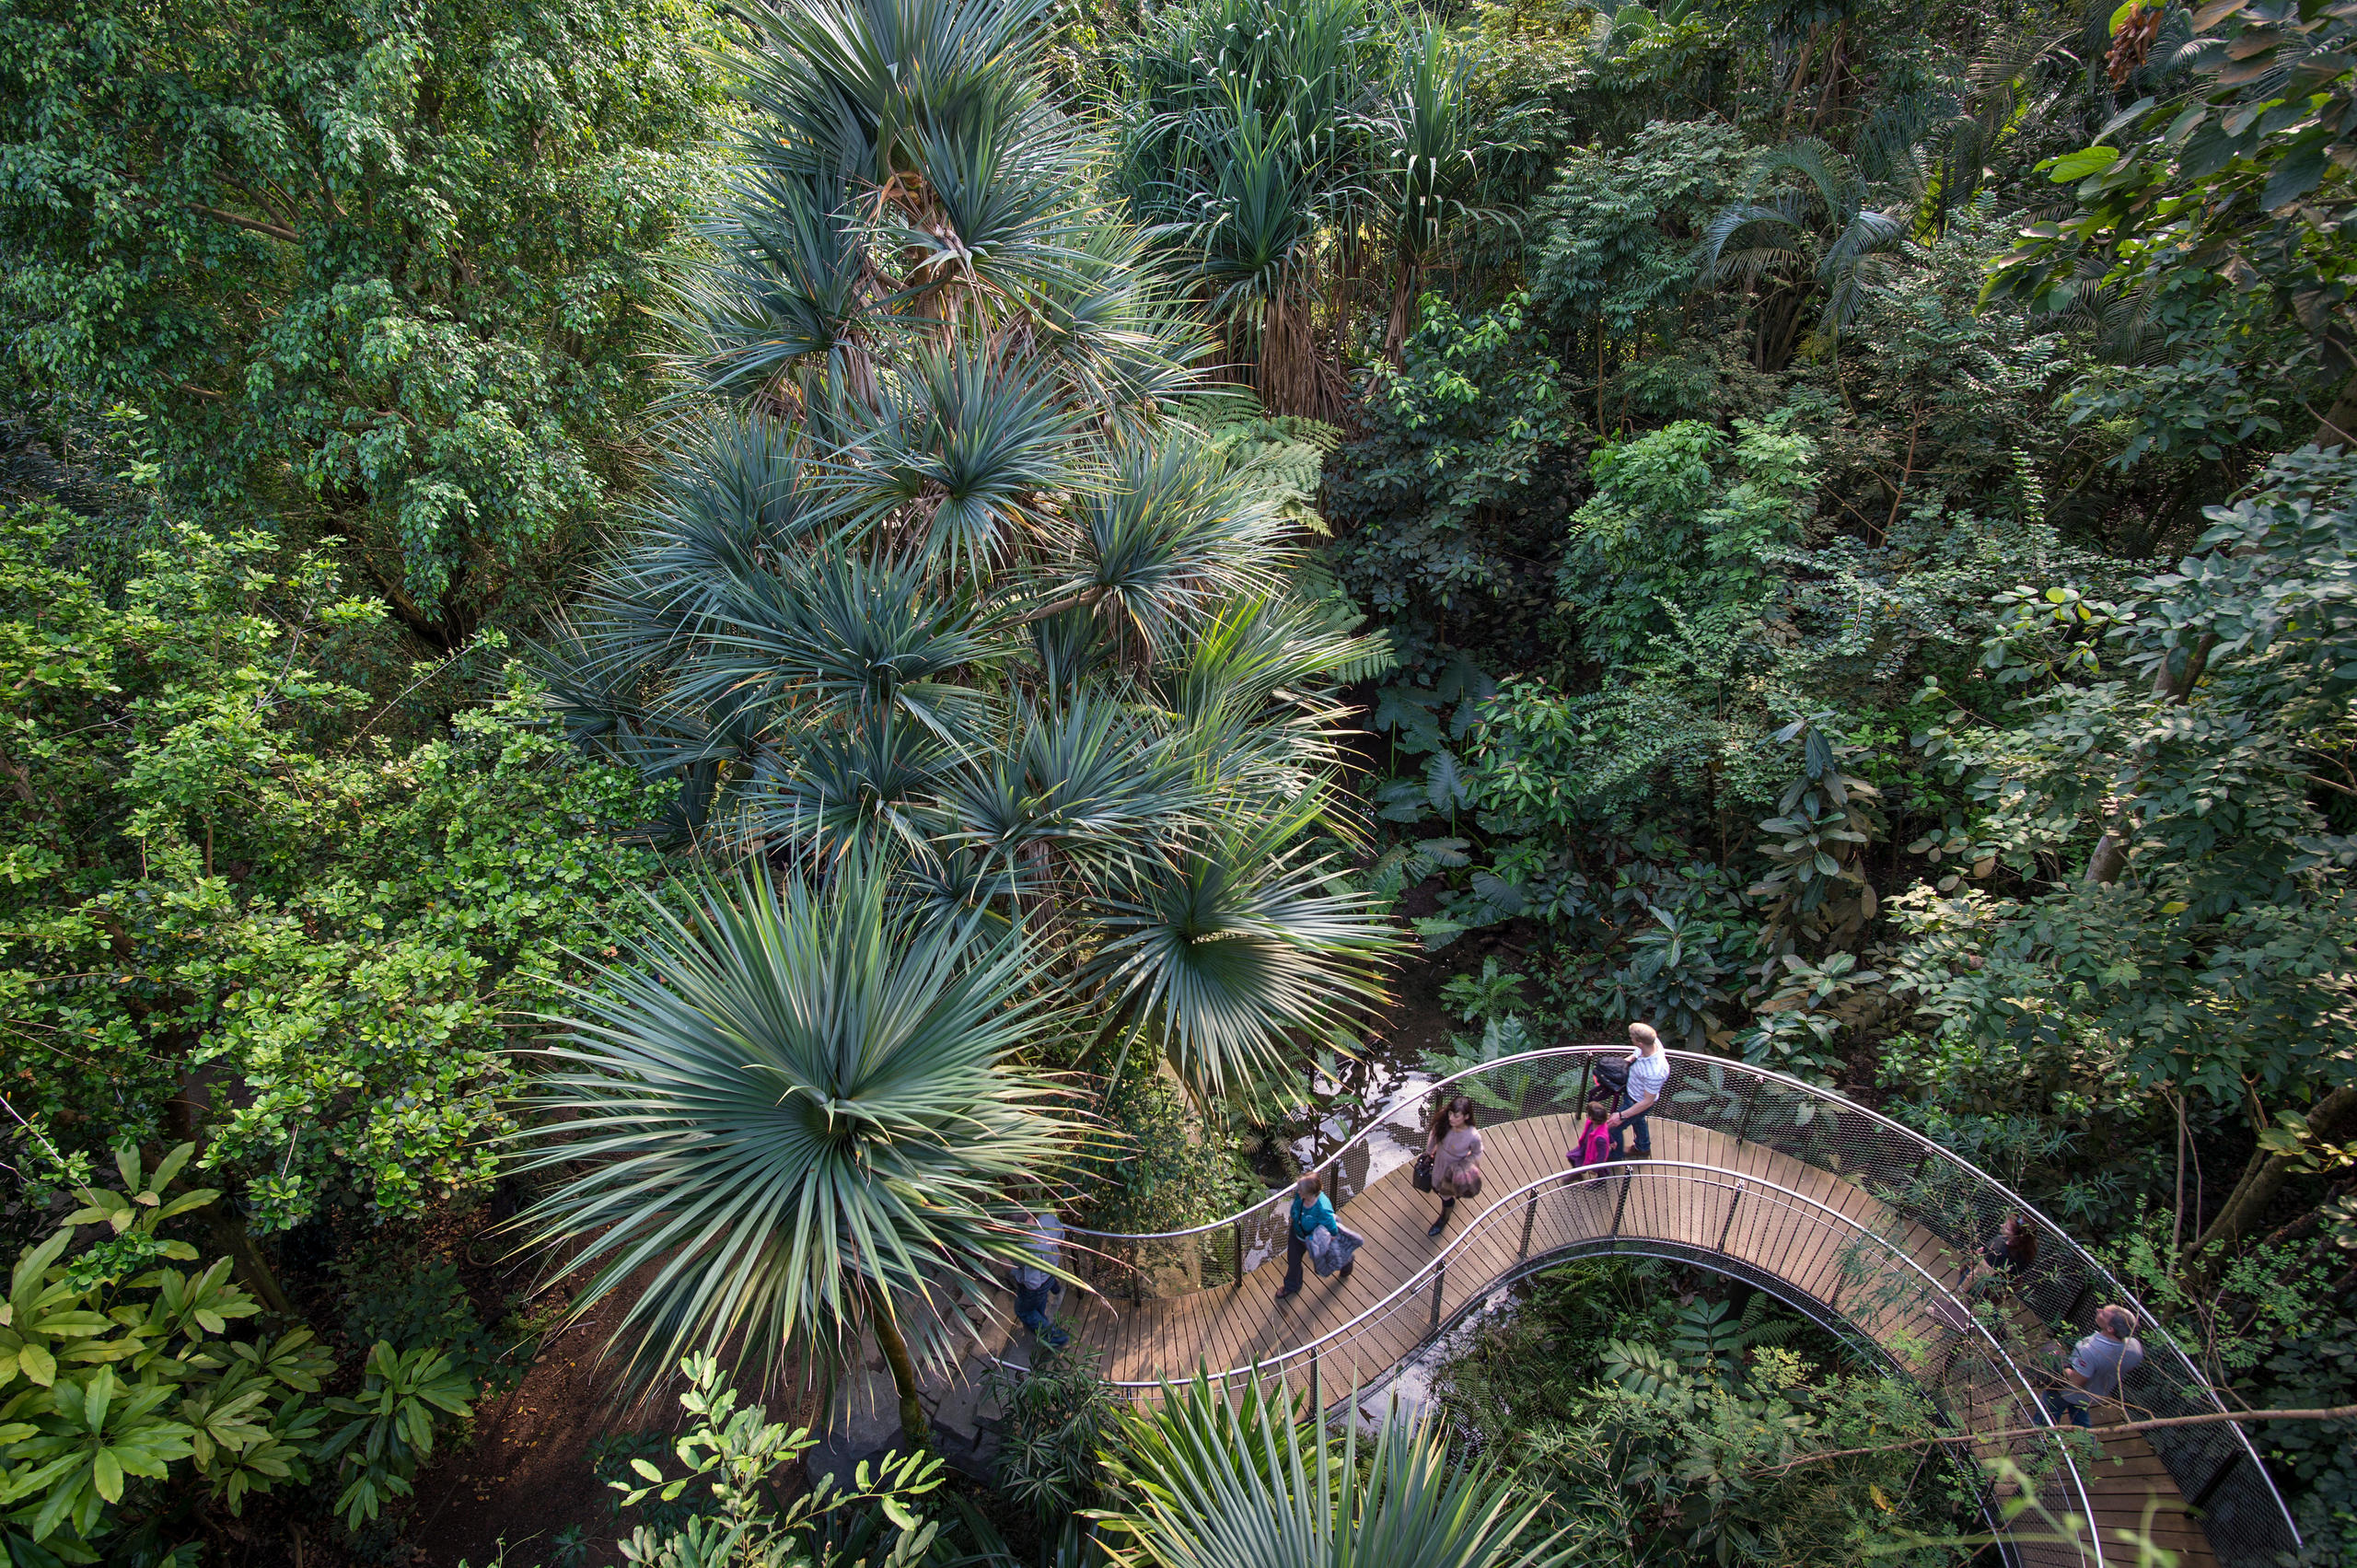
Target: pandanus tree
[934,590]
[1282,150]
[1247,143]
[1256,1481]
[1429,173]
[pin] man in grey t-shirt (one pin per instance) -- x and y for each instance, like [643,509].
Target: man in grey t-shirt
[2098,1363]
[1648,1074]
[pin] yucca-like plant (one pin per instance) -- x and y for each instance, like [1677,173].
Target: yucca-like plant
[951,574]
[1428,140]
[798,1107]
[1250,138]
[1260,1483]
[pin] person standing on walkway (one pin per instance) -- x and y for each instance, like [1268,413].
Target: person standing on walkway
[1034,1284]
[1594,1146]
[2011,1253]
[1648,1074]
[2098,1363]
[1311,1212]
[1454,1149]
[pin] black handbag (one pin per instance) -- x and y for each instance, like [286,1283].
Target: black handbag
[1423,1173]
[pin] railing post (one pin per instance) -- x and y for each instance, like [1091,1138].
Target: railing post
[1235,1234]
[2201,1499]
[1750,1104]
[1529,1213]
[1137,1272]
[1627,1177]
[1728,1227]
[1440,1278]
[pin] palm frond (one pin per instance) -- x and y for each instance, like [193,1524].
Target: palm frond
[1235,947]
[1259,1482]
[793,1106]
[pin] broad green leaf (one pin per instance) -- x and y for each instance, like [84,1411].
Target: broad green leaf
[2078,165]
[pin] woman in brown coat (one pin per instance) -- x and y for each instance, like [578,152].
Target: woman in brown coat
[1454,1149]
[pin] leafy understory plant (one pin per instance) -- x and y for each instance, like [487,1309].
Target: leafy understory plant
[733,1451]
[1492,993]
[123,1400]
[391,1430]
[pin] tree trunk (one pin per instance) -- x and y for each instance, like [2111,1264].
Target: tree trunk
[2171,683]
[2109,859]
[226,1228]
[2338,427]
[1403,311]
[2265,1175]
[914,1425]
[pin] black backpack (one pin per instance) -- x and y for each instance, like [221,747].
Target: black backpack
[1610,1077]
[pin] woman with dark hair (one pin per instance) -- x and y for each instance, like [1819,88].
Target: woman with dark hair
[1454,1149]
[2010,1252]
[1310,1213]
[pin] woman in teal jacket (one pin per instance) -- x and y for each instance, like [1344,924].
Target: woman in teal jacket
[1312,1211]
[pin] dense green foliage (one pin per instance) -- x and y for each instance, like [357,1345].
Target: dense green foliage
[1045,539]
[1658,1427]
[1865,604]
[235,903]
[378,274]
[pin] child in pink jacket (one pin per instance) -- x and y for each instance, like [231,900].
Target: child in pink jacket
[1596,1139]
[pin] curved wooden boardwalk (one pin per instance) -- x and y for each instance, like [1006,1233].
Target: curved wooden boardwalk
[1816,1257]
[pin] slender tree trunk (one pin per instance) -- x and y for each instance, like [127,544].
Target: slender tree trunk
[2264,1177]
[224,1227]
[914,1425]
[1404,310]
[2337,426]
[2171,683]
[231,1236]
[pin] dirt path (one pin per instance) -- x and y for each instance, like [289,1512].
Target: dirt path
[526,1479]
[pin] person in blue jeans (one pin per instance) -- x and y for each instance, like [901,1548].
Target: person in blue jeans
[1648,1074]
[1034,1285]
[1311,1212]
[2097,1365]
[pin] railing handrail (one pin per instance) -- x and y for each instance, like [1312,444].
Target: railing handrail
[1709,1176]
[1847,1107]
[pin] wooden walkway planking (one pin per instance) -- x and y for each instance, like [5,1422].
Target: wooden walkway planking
[1231,1326]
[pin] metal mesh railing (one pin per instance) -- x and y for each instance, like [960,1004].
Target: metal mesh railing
[1867,1279]
[1921,1191]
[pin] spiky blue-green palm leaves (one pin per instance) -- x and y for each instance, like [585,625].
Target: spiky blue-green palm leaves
[795,1110]
[1259,1483]
[954,577]
[909,182]
[1232,950]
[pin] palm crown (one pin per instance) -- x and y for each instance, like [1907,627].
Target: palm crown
[1211,1481]
[793,1107]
